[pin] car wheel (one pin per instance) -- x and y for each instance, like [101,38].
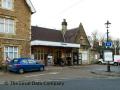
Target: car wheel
[41,68]
[115,63]
[100,62]
[21,71]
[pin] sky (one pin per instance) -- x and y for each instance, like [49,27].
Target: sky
[93,14]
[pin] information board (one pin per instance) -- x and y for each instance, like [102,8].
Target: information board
[108,55]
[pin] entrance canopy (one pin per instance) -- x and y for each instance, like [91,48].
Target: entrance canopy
[57,44]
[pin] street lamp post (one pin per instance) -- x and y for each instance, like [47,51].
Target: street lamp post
[107,26]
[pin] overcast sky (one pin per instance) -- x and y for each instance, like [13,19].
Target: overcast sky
[91,13]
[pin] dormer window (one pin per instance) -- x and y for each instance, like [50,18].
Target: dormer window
[7,4]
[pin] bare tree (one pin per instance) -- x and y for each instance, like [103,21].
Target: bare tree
[94,39]
[116,46]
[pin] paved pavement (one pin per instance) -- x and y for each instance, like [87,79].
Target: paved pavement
[61,73]
[102,70]
[85,77]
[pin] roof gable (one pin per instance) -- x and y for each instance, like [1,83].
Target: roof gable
[30,5]
[83,34]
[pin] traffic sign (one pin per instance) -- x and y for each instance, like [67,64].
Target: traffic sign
[108,44]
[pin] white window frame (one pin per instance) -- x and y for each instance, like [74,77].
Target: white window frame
[7,25]
[1,25]
[7,52]
[7,4]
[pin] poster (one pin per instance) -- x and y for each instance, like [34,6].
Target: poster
[108,55]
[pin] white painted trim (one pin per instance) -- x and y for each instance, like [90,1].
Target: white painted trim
[30,6]
[58,44]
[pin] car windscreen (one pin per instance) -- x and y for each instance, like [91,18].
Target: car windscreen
[24,61]
[14,61]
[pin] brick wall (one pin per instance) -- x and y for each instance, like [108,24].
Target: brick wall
[22,16]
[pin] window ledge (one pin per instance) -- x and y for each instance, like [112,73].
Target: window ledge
[6,9]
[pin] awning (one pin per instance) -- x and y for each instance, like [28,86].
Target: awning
[58,44]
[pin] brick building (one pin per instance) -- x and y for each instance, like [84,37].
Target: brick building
[15,28]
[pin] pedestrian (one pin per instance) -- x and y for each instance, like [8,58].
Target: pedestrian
[7,60]
[6,63]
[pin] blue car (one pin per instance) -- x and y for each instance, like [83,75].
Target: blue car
[21,65]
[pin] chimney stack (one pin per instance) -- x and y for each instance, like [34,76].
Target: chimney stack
[64,27]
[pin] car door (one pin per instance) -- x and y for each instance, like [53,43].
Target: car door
[33,64]
[24,64]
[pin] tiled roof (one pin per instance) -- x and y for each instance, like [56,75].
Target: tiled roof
[45,34]
[70,35]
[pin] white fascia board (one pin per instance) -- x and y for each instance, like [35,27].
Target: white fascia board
[58,44]
[30,6]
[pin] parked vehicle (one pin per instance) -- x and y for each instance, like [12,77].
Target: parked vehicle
[116,60]
[21,65]
[101,61]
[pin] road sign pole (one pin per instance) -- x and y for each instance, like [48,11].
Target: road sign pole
[108,67]
[107,26]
